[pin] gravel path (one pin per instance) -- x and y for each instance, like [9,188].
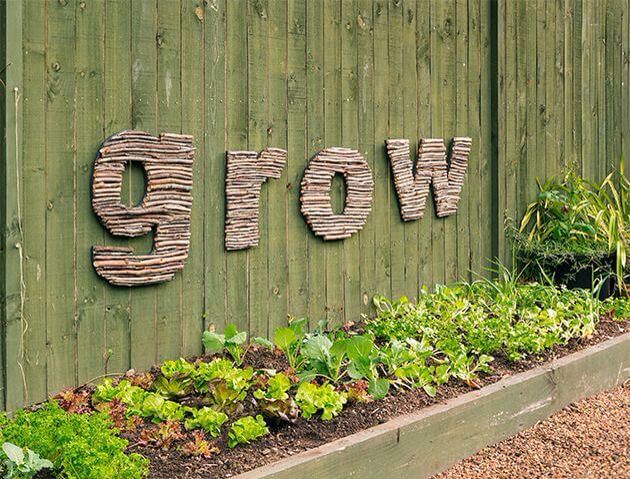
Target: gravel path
[587,439]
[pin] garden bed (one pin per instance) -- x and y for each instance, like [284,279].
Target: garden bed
[292,439]
[435,370]
[428,441]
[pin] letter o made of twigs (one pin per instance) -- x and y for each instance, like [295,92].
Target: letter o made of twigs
[316,187]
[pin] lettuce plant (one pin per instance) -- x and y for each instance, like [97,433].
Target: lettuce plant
[223,384]
[176,380]
[246,429]
[81,446]
[231,341]
[207,419]
[312,398]
[274,401]
[289,340]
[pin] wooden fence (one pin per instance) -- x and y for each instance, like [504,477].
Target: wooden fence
[538,85]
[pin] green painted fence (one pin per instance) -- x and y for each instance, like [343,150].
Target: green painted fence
[538,85]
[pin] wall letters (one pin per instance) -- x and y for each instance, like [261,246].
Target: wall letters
[431,167]
[168,162]
[246,172]
[316,183]
[167,203]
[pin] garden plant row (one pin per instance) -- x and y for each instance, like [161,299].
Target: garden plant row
[203,407]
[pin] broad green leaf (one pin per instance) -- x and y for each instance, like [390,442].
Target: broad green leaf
[14,453]
[284,337]
[213,342]
[379,388]
[359,347]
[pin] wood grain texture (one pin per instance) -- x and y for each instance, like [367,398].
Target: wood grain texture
[538,86]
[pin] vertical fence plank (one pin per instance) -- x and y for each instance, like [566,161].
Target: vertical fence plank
[410,132]
[34,182]
[350,139]
[382,181]
[193,20]
[237,94]
[215,125]
[278,194]
[332,135]
[441,28]
[474,177]
[315,135]
[169,119]
[258,65]
[397,246]
[462,106]
[117,83]
[144,73]
[424,104]
[89,100]
[60,221]
[13,322]
[297,232]
[365,98]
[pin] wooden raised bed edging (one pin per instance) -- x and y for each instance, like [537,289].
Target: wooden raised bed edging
[429,441]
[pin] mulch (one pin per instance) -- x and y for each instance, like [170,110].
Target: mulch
[289,439]
[587,439]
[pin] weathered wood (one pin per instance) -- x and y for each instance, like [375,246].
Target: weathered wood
[194,17]
[317,301]
[89,131]
[424,443]
[60,225]
[34,107]
[117,117]
[144,103]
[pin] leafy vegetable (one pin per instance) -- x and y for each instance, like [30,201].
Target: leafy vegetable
[231,341]
[324,357]
[207,419]
[162,435]
[81,446]
[224,385]
[198,447]
[289,340]
[22,464]
[246,429]
[275,402]
[312,398]
[176,380]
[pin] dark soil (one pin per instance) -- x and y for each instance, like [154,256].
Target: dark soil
[587,439]
[288,439]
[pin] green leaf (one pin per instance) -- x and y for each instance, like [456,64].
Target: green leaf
[283,338]
[360,368]
[264,342]
[379,388]
[359,347]
[233,336]
[317,347]
[213,342]
[14,453]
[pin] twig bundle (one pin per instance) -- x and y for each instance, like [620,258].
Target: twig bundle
[316,186]
[166,206]
[246,172]
[412,190]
